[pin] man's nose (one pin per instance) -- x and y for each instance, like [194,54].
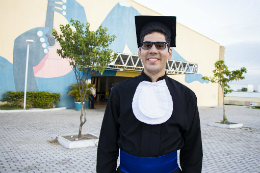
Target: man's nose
[153,49]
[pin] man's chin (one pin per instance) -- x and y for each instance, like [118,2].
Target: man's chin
[153,71]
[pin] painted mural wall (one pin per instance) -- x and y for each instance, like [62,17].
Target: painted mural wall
[34,20]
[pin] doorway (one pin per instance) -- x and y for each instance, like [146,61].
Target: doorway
[104,85]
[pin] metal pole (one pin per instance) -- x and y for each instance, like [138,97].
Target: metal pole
[26,71]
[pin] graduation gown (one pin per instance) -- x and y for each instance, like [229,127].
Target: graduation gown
[122,130]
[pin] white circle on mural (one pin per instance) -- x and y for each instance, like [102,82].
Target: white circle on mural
[64,13]
[64,7]
[45,50]
[39,33]
[64,1]
[42,39]
[44,45]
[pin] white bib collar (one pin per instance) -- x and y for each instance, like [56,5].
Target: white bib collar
[152,102]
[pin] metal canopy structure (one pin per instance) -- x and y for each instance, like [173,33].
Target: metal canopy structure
[131,63]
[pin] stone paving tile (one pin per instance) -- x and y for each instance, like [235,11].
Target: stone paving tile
[24,145]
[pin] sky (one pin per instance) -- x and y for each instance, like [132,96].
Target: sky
[234,24]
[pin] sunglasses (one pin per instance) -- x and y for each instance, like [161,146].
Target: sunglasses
[158,45]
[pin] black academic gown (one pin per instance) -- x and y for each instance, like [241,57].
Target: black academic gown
[121,130]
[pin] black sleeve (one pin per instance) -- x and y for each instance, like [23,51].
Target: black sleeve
[191,153]
[107,152]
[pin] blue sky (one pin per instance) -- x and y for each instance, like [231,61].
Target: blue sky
[234,24]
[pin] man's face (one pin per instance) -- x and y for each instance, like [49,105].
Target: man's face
[154,60]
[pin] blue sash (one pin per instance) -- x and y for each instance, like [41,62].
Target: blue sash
[163,164]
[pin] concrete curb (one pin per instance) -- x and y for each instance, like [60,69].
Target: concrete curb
[32,110]
[77,144]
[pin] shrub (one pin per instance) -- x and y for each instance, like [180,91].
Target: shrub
[39,99]
[244,89]
[3,103]
[73,90]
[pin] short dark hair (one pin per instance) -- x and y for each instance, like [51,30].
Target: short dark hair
[155,29]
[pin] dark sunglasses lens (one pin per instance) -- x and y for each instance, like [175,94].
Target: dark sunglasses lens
[160,45]
[147,46]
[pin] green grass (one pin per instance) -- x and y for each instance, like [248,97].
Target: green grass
[3,107]
[256,107]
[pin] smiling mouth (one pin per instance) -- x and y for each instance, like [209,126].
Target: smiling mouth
[153,59]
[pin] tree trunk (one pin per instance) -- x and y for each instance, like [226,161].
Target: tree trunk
[224,119]
[80,128]
[81,120]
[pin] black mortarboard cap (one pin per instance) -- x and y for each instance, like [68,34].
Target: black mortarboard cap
[167,23]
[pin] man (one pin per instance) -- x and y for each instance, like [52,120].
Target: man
[151,116]
[93,95]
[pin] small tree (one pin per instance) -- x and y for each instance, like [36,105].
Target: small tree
[222,76]
[244,89]
[87,51]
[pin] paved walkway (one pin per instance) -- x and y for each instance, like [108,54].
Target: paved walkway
[24,137]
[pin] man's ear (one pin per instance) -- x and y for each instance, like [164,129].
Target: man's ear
[139,52]
[170,54]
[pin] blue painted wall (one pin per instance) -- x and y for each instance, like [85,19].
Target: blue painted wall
[6,77]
